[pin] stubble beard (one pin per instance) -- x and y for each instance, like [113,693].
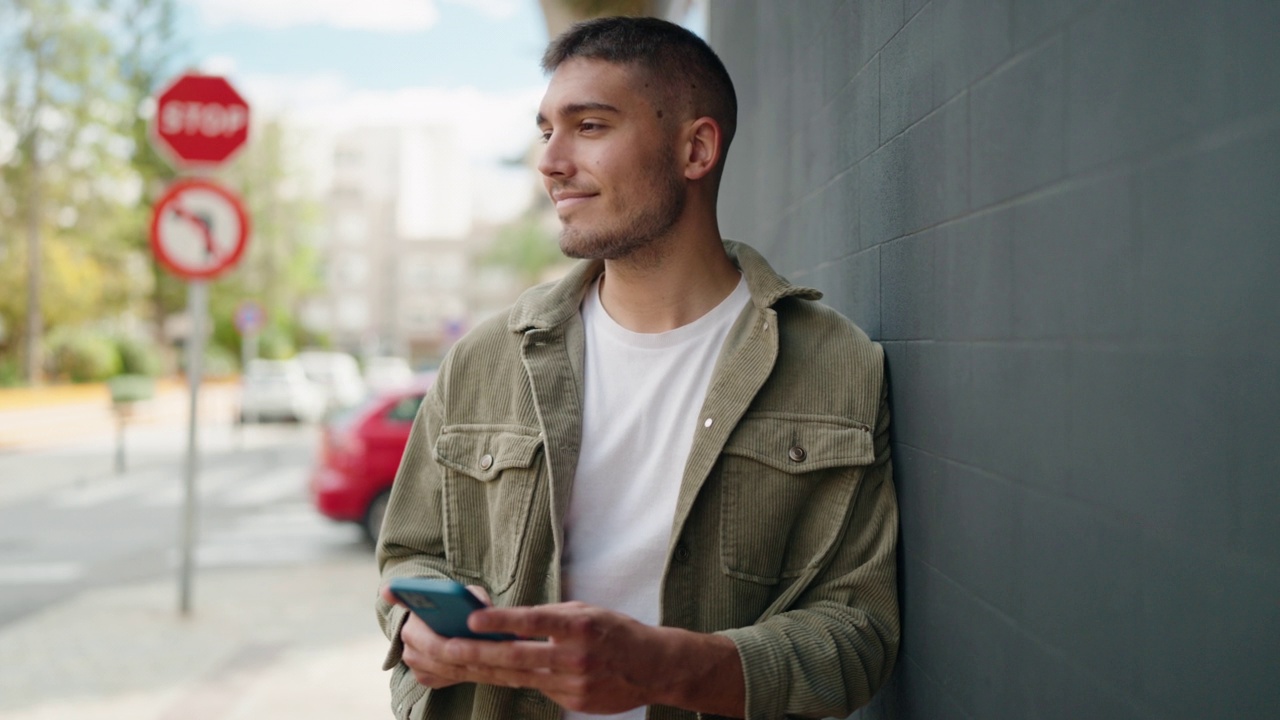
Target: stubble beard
[635,236]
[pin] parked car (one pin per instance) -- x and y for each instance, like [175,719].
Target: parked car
[338,374]
[279,390]
[360,452]
[383,373]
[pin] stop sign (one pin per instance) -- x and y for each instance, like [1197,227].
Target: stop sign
[200,120]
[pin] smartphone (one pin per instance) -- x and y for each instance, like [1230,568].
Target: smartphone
[443,605]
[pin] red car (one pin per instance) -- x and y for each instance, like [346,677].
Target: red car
[360,453]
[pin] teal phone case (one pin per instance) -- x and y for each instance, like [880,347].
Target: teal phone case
[443,605]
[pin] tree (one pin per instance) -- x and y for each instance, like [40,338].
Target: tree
[76,179]
[57,97]
[281,268]
[148,53]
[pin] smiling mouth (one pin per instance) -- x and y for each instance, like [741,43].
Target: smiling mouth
[564,202]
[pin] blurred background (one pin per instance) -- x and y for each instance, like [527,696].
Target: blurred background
[388,175]
[389,178]
[1058,218]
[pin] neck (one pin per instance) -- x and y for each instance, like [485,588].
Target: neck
[686,276]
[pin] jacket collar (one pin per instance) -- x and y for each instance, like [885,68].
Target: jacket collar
[547,306]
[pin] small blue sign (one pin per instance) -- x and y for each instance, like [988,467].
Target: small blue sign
[250,317]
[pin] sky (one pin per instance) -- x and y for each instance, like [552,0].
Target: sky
[472,64]
[323,66]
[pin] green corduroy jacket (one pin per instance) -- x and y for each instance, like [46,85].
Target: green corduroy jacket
[786,525]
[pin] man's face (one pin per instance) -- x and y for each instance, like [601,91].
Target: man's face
[610,162]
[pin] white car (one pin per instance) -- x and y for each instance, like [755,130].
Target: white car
[279,390]
[385,373]
[337,374]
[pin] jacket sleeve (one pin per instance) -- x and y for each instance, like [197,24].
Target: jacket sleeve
[411,543]
[828,651]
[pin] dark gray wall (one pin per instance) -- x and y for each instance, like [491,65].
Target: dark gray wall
[1062,220]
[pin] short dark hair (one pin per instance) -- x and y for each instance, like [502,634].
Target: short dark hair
[662,49]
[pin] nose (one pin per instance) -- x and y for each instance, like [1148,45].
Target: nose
[555,160]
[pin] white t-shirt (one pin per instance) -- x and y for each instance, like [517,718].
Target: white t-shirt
[643,395]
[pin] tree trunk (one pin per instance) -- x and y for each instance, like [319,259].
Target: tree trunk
[35,317]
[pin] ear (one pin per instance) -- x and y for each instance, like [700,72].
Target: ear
[702,148]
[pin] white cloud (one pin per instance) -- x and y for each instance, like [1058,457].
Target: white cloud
[382,15]
[496,9]
[224,65]
[491,126]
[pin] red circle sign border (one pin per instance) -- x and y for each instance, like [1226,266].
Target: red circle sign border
[230,260]
[167,150]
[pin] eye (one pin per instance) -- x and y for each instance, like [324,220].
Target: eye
[589,126]
[545,137]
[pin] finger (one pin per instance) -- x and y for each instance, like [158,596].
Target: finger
[518,656]
[561,621]
[388,596]
[481,593]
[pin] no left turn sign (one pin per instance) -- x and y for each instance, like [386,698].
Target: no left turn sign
[199,229]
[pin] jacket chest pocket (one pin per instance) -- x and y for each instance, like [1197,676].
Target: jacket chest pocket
[489,478]
[787,482]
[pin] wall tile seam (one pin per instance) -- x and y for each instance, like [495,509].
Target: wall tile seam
[828,102]
[1261,121]
[830,263]
[812,194]
[990,74]
[1066,183]
[1067,659]
[963,94]
[952,702]
[1009,622]
[905,22]
[1209,139]
[1083,504]
[1016,58]
[1062,26]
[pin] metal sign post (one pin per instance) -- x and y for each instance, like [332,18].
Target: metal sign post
[197,309]
[199,230]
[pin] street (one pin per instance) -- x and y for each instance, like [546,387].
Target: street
[282,622]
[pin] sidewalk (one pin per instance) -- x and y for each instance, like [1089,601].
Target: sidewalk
[32,418]
[261,644]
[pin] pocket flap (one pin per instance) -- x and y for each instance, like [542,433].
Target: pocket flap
[484,452]
[798,444]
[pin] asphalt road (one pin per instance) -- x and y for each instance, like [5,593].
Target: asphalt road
[69,524]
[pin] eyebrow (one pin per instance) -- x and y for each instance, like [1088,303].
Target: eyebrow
[579,108]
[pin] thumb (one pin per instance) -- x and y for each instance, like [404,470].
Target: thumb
[480,593]
[385,593]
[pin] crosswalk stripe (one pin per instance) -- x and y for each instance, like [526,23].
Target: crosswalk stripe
[277,484]
[99,490]
[40,574]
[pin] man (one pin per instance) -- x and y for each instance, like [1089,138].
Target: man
[670,470]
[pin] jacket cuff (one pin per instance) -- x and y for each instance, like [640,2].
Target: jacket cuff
[763,671]
[396,618]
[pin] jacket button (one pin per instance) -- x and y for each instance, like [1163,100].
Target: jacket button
[486,461]
[797,454]
[682,553]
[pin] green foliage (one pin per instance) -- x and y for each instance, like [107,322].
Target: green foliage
[527,247]
[74,75]
[139,357]
[219,362]
[10,373]
[131,388]
[84,357]
[77,174]
[277,343]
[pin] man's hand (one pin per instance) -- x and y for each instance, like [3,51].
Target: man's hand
[591,660]
[422,643]
[601,662]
